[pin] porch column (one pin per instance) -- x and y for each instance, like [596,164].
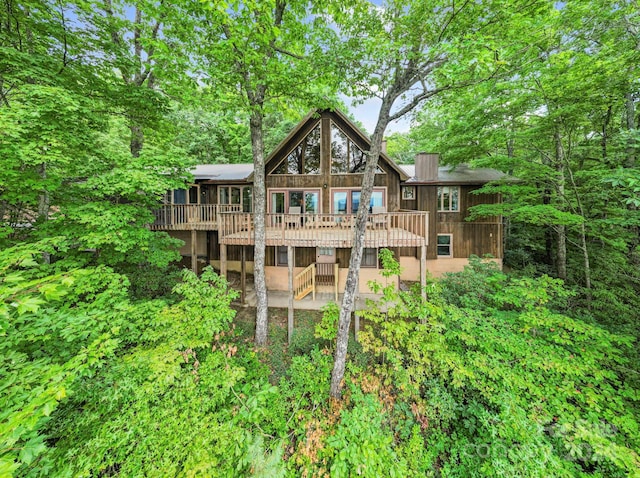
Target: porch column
[194,251]
[290,260]
[223,260]
[423,270]
[243,274]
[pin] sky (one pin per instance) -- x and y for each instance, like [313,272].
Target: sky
[367,114]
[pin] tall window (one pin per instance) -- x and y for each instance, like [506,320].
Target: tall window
[305,157]
[346,157]
[445,245]
[448,198]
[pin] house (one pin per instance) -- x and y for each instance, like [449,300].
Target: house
[313,181]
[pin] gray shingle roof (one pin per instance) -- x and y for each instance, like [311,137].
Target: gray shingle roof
[222,172]
[461,174]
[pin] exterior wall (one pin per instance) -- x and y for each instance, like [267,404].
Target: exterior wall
[233,266]
[278,277]
[410,269]
[435,268]
[438,267]
[479,237]
[185,236]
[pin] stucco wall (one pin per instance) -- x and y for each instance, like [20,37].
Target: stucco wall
[437,267]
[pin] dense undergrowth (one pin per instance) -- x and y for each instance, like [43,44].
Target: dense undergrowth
[487,376]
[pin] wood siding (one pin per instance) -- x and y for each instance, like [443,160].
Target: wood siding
[481,236]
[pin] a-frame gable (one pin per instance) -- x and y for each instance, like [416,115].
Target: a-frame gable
[361,140]
[307,125]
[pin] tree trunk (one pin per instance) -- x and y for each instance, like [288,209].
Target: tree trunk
[43,207]
[630,110]
[630,162]
[351,287]
[137,140]
[259,212]
[561,229]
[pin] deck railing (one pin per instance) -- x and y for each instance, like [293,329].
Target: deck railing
[304,283]
[389,229]
[191,216]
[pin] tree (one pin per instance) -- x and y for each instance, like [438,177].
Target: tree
[68,175]
[263,52]
[405,53]
[561,126]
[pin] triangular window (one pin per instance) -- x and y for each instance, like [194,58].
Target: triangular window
[305,157]
[346,157]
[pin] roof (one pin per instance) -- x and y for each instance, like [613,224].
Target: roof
[223,172]
[460,174]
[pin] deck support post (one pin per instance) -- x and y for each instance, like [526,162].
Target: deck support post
[243,274]
[290,263]
[423,270]
[223,260]
[194,251]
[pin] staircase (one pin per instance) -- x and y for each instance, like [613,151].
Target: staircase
[316,274]
[305,283]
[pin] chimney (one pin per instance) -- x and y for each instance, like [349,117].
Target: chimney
[383,146]
[427,166]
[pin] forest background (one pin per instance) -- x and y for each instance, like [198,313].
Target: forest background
[115,363]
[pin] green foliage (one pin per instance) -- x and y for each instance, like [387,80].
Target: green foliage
[307,380]
[56,328]
[362,445]
[521,388]
[327,328]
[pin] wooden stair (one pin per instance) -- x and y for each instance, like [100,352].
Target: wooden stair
[315,274]
[305,283]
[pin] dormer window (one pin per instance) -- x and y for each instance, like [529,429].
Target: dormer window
[304,158]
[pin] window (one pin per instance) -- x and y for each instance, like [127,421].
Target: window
[308,201]
[348,201]
[242,196]
[186,196]
[448,198]
[325,251]
[282,258]
[305,157]
[369,257]
[346,157]
[408,192]
[444,245]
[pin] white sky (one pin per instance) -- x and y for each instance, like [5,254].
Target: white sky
[367,114]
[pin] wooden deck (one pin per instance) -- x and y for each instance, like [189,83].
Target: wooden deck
[390,229]
[395,229]
[190,217]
